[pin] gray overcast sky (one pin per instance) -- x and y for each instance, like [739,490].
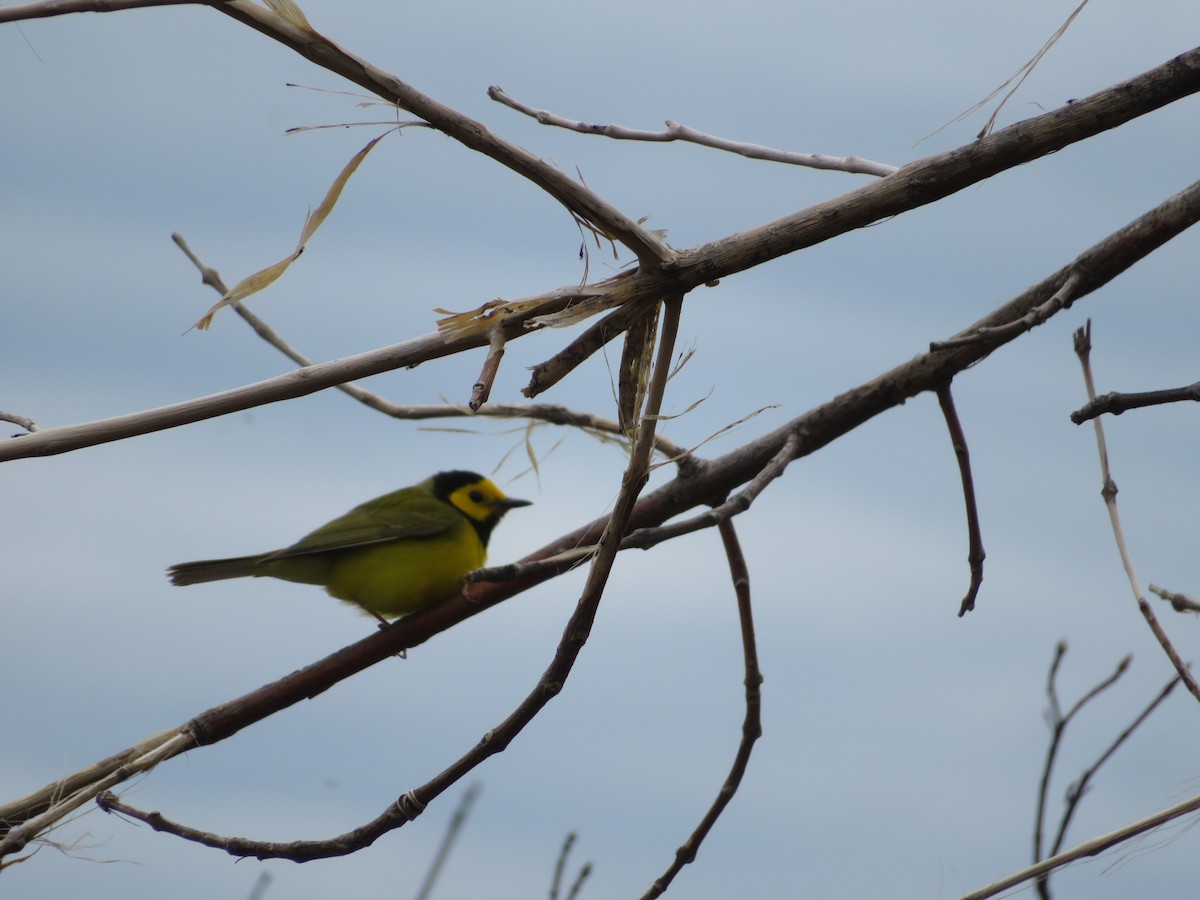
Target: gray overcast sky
[902,745]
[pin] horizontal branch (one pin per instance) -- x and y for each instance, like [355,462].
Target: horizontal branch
[676,132]
[1117,403]
[50,8]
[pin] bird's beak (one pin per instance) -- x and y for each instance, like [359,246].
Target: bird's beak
[512,503]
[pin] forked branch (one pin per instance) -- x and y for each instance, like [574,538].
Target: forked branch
[1083,349]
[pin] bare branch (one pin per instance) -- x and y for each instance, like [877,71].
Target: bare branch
[677,132]
[549,373]
[1059,300]
[1019,76]
[1117,403]
[563,854]
[49,8]
[482,388]
[751,723]
[1083,348]
[550,413]
[1079,788]
[1180,602]
[452,829]
[472,134]
[19,420]
[560,866]
[27,819]
[1058,725]
[975,553]
[1092,847]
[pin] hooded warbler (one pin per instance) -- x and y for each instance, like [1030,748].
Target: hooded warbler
[391,556]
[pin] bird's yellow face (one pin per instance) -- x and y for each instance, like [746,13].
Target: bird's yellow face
[481,500]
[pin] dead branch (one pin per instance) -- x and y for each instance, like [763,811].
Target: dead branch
[453,827]
[1117,403]
[676,132]
[1096,266]
[543,412]
[751,723]
[1180,602]
[482,389]
[1083,349]
[17,419]
[1093,847]
[1058,726]
[975,553]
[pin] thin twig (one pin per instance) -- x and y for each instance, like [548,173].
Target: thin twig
[975,553]
[547,374]
[1117,403]
[453,827]
[474,135]
[645,538]
[1180,602]
[1092,847]
[1083,348]
[1059,300]
[550,413]
[585,872]
[1058,726]
[677,132]
[1019,76]
[482,389]
[751,723]
[560,864]
[58,804]
[1079,788]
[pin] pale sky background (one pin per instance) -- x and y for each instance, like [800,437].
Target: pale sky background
[902,745]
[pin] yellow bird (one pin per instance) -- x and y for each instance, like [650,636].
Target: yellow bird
[391,556]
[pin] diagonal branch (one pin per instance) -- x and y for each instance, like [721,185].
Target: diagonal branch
[1093,847]
[472,134]
[677,132]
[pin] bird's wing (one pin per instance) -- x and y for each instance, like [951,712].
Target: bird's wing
[403,514]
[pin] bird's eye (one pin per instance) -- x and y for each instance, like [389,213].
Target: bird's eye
[476,496]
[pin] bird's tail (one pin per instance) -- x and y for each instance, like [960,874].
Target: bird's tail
[216,569]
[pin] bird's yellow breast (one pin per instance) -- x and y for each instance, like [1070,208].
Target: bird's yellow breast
[391,579]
